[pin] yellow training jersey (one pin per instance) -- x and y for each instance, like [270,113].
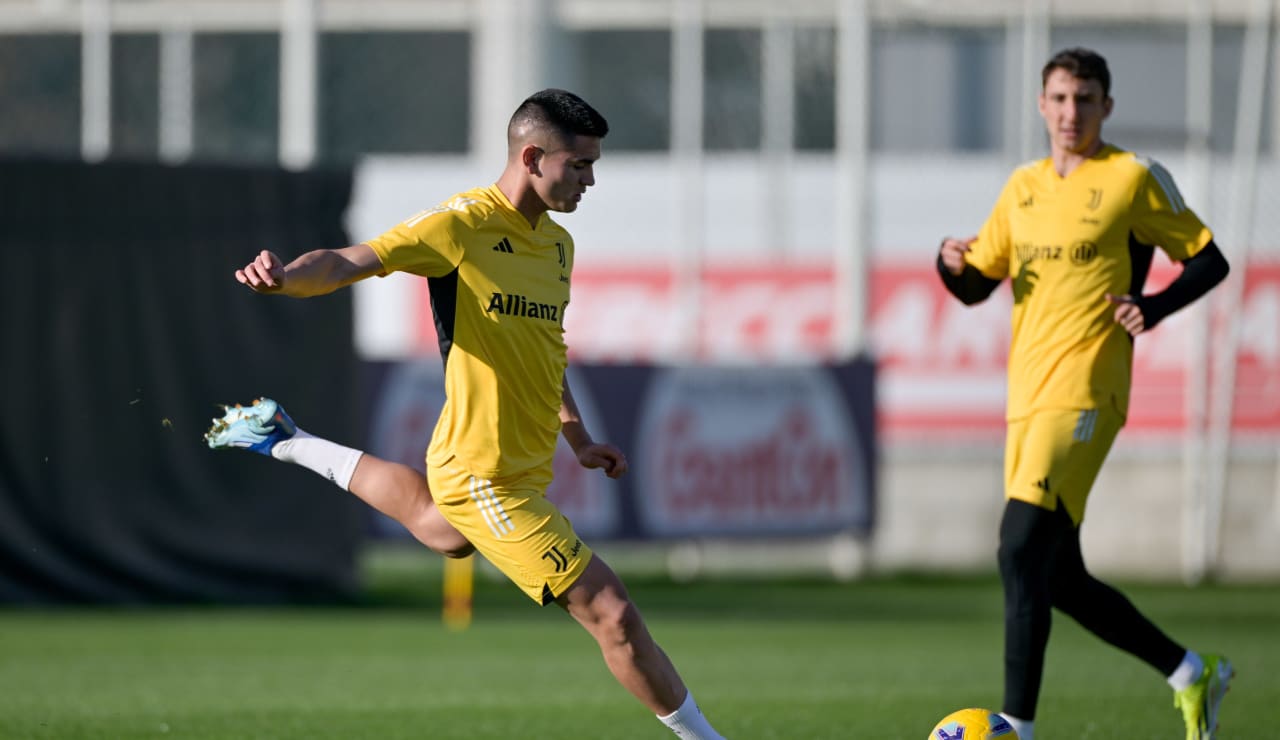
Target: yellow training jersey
[1066,242]
[499,289]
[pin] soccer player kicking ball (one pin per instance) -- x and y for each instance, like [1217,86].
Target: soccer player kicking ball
[499,272]
[1075,232]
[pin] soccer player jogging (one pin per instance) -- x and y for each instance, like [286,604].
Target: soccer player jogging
[499,273]
[1075,233]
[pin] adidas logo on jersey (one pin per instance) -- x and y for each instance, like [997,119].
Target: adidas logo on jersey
[504,246]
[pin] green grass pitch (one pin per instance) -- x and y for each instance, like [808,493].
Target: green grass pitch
[784,659]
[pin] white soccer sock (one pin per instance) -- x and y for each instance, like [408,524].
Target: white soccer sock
[687,722]
[1024,727]
[330,459]
[1187,672]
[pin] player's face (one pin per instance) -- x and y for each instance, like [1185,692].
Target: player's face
[567,172]
[1073,111]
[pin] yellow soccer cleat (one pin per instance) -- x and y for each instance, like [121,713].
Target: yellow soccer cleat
[1199,702]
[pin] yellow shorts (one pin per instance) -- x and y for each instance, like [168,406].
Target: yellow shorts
[1056,454]
[511,522]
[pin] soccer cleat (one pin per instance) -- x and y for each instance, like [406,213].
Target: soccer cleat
[1199,702]
[257,427]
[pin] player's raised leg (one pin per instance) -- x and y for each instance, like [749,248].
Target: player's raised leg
[402,493]
[394,489]
[599,601]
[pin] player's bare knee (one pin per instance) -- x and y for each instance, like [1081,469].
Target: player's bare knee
[618,622]
[433,531]
[457,552]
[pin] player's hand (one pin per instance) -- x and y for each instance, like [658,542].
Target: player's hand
[953,251]
[1128,313]
[265,274]
[604,456]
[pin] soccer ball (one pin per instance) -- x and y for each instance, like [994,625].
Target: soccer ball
[973,724]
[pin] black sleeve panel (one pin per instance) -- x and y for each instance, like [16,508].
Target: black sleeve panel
[970,286]
[1199,273]
[1140,257]
[444,309]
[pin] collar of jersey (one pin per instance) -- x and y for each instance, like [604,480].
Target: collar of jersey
[505,204]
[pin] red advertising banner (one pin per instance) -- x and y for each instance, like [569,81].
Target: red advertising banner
[941,365]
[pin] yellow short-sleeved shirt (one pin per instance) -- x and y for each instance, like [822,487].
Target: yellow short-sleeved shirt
[1066,242]
[499,290]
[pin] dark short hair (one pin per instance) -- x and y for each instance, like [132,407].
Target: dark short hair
[1084,64]
[560,113]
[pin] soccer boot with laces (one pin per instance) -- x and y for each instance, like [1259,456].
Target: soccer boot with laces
[257,427]
[1199,702]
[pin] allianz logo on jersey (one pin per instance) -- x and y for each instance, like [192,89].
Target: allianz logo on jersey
[514,304]
[1080,253]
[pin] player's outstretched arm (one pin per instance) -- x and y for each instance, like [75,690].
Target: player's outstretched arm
[591,454]
[314,273]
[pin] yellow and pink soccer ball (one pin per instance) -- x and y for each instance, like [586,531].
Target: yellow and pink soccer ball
[973,724]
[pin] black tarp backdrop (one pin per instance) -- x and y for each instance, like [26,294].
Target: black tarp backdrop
[122,328]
